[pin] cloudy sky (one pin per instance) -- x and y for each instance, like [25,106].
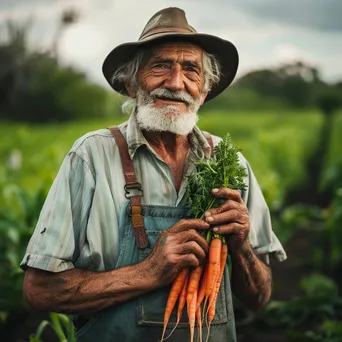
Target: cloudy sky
[266,32]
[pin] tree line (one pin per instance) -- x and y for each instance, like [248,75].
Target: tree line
[35,87]
[290,86]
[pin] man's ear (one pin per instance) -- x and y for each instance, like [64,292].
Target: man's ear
[131,91]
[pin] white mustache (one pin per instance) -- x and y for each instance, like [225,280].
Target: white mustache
[178,95]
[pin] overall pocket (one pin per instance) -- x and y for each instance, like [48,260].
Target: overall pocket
[82,331]
[151,306]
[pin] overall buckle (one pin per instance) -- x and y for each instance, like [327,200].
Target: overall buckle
[133,189]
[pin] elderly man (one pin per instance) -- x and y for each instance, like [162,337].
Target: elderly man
[113,233]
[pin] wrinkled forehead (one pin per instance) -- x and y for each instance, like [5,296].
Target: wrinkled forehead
[173,49]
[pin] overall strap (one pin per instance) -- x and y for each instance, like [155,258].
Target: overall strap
[131,185]
[210,142]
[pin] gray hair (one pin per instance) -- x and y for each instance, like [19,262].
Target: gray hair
[129,71]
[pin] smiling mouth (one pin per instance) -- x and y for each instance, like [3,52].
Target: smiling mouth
[170,100]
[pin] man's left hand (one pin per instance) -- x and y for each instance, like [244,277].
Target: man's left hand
[230,218]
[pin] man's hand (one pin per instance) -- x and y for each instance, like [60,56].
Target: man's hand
[251,278]
[177,247]
[230,218]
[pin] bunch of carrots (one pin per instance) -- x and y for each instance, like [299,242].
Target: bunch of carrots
[198,289]
[198,286]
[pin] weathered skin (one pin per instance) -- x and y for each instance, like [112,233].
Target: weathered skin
[76,291]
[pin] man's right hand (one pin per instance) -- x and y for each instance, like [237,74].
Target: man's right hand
[76,290]
[177,247]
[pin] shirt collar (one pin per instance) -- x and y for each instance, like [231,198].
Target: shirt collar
[199,145]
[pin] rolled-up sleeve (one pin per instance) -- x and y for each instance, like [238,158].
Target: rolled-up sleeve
[261,236]
[54,244]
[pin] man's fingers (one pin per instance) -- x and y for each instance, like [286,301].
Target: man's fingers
[232,228]
[188,260]
[193,236]
[179,239]
[225,206]
[233,215]
[233,201]
[227,193]
[188,224]
[192,247]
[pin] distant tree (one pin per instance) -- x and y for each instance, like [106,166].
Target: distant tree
[13,56]
[292,84]
[68,17]
[329,99]
[35,88]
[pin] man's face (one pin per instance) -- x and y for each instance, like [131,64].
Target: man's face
[177,67]
[170,91]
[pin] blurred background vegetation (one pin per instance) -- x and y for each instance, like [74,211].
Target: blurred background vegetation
[288,122]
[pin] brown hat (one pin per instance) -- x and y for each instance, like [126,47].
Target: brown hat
[171,23]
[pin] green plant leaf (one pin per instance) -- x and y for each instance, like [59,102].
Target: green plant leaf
[41,328]
[56,326]
[35,339]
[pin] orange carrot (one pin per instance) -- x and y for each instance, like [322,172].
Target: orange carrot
[176,289]
[214,294]
[182,299]
[191,297]
[199,322]
[194,280]
[210,317]
[213,264]
[203,286]
[181,304]
[192,315]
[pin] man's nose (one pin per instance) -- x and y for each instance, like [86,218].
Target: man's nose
[175,80]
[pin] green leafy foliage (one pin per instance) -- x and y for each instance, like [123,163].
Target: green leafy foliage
[62,326]
[222,170]
[319,304]
[18,215]
[305,217]
[329,331]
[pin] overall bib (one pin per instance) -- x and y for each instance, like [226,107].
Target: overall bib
[141,319]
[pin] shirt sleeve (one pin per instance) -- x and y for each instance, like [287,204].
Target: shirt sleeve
[261,236]
[63,219]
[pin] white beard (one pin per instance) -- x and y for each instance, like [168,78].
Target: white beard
[168,118]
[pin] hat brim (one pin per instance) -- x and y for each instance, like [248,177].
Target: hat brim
[224,51]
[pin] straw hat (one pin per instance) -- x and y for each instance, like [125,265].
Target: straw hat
[171,24]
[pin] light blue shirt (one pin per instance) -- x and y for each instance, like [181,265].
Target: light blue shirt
[78,224]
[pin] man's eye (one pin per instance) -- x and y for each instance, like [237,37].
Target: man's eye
[161,66]
[192,69]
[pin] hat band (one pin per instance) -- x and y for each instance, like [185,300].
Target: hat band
[170,30]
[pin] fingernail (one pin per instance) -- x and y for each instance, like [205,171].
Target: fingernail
[207,213]
[207,224]
[215,229]
[210,219]
[215,190]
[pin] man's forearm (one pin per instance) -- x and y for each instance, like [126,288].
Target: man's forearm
[76,291]
[251,279]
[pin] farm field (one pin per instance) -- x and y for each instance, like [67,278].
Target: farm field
[274,144]
[277,146]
